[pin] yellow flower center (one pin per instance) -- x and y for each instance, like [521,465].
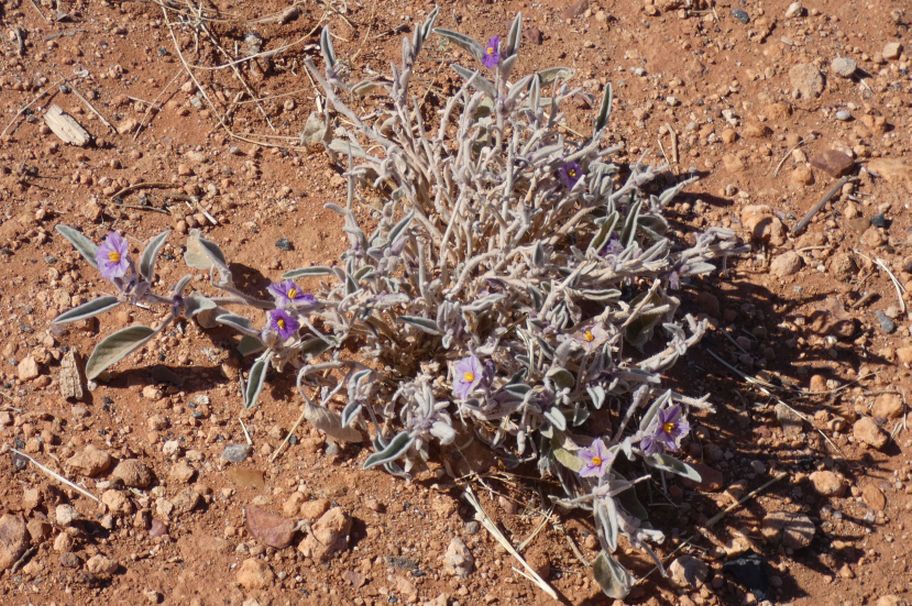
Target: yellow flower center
[280,323]
[490,50]
[292,293]
[468,376]
[588,337]
[596,460]
[114,256]
[669,427]
[572,173]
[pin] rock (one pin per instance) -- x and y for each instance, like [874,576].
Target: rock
[793,530]
[867,431]
[65,514]
[70,378]
[832,162]
[885,322]
[68,559]
[39,530]
[31,499]
[63,542]
[312,510]
[181,472]
[186,501]
[133,473]
[741,15]
[786,264]
[269,528]
[801,176]
[458,560]
[236,453]
[91,462]
[845,571]
[315,132]
[873,496]
[27,369]
[887,406]
[711,479]
[688,571]
[892,50]
[101,565]
[152,393]
[14,539]
[116,501]
[255,574]
[792,423]
[763,225]
[757,130]
[292,505]
[843,66]
[828,483]
[66,127]
[843,116]
[328,536]
[890,600]
[794,10]
[904,355]
[894,170]
[807,81]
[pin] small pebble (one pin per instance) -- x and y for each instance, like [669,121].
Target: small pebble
[236,453]
[741,15]
[843,116]
[886,324]
[879,220]
[284,244]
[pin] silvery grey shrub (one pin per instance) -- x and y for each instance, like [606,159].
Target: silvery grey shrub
[517,290]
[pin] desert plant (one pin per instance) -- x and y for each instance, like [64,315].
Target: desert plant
[517,289]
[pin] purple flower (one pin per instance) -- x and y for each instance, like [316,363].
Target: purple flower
[468,375]
[666,431]
[491,56]
[613,246]
[591,336]
[287,294]
[283,324]
[596,459]
[112,257]
[569,173]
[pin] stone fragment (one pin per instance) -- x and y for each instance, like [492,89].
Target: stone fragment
[791,422]
[786,264]
[892,50]
[65,514]
[894,170]
[14,539]
[828,484]
[833,162]
[133,473]
[873,496]
[328,536]
[688,571]
[91,462]
[793,530]
[66,127]
[887,406]
[843,66]
[807,81]
[269,528]
[27,369]
[182,472]
[116,501]
[458,560]
[868,432]
[101,565]
[311,510]
[762,224]
[70,378]
[236,453]
[794,10]
[255,574]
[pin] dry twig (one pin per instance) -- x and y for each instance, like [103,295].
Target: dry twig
[57,476]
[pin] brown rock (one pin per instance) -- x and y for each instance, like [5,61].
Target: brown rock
[575,9]
[890,600]
[133,473]
[255,574]
[793,530]
[39,530]
[828,483]
[14,539]
[101,565]
[868,432]
[70,377]
[27,369]
[757,130]
[888,406]
[292,505]
[833,162]
[892,50]
[894,170]
[802,176]
[91,462]
[269,528]
[762,224]
[328,536]
[874,497]
[786,264]
[312,510]
[458,560]
[807,81]
[181,472]
[116,501]
[688,571]
[904,355]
